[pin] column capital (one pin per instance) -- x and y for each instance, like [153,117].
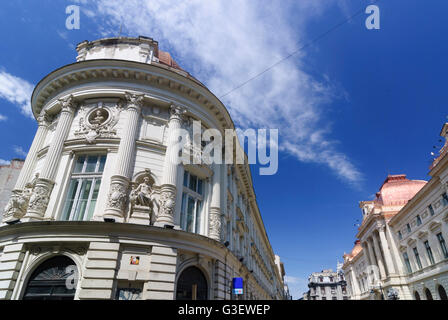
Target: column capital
[44,119]
[68,104]
[134,101]
[177,112]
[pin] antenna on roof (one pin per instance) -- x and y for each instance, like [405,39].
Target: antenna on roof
[121,28]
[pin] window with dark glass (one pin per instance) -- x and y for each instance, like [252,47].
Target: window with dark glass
[417,258]
[192,200]
[429,252]
[400,236]
[431,209]
[445,199]
[442,245]
[407,262]
[419,220]
[83,188]
[408,227]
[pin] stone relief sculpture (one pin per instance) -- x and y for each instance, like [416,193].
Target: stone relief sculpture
[19,201]
[98,122]
[143,198]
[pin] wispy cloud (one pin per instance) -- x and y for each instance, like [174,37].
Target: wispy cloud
[297,286]
[3,118]
[19,150]
[17,91]
[4,162]
[224,43]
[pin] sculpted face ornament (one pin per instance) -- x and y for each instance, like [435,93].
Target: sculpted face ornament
[99,122]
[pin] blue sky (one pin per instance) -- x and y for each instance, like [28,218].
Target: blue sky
[351,108]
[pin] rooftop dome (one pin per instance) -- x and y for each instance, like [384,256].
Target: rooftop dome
[141,49]
[397,190]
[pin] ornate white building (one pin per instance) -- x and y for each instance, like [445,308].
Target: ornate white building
[402,250]
[100,210]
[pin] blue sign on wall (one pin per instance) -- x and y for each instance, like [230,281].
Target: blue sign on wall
[237,284]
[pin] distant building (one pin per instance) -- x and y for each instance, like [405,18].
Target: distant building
[327,285]
[402,252]
[8,177]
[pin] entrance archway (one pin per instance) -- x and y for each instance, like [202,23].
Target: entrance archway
[49,280]
[417,295]
[192,285]
[428,294]
[442,293]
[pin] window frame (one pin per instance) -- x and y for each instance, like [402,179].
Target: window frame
[429,252]
[197,198]
[82,177]
[442,244]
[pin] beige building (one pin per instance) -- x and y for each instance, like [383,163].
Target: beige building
[102,211]
[8,177]
[327,285]
[401,252]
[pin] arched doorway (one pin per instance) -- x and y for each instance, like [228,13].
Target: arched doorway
[428,294]
[417,295]
[442,293]
[49,281]
[192,285]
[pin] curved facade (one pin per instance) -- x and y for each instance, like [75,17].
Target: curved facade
[99,187]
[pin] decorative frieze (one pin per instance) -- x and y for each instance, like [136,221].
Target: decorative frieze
[39,199]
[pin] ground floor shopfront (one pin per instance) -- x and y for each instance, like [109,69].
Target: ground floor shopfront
[97,260]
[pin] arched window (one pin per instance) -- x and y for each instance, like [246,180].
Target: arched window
[192,285]
[428,294]
[50,281]
[442,293]
[417,295]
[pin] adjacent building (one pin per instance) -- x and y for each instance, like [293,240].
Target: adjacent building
[101,211]
[8,177]
[401,251]
[327,285]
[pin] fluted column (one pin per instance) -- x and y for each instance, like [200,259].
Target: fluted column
[170,166]
[18,202]
[215,218]
[355,285]
[44,184]
[379,258]
[386,251]
[119,182]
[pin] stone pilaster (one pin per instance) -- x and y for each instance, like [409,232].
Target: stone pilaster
[171,164]
[215,216]
[10,265]
[44,184]
[119,185]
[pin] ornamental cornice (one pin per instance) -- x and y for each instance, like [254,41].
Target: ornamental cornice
[93,71]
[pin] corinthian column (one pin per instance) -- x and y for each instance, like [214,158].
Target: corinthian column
[44,184]
[170,166]
[379,257]
[119,182]
[18,202]
[386,251]
[214,230]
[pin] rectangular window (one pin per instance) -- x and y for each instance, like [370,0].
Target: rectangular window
[407,262]
[417,258]
[408,227]
[400,236]
[445,199]
[191,207]
[431,209]
[419,220]
[83,188]
[429,252]
[442,245]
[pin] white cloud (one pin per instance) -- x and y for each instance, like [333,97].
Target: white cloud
[17,91]
[297,286]
[3,118]
[4,162]
[19,150]
[224,43]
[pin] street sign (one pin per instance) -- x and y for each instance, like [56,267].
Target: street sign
[237,284]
